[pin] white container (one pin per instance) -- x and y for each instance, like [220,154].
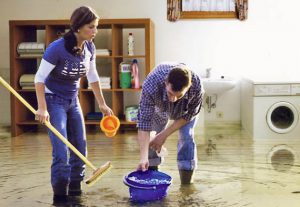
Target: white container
[125,67]
[130,44]
[131,113]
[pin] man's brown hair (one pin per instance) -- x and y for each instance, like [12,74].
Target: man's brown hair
[180,78]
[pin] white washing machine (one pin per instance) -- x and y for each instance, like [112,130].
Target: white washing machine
[270,109]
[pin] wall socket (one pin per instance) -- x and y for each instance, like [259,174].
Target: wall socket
[219,114]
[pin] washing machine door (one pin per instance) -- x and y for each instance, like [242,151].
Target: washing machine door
[282,117]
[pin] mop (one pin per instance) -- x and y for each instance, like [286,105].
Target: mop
[97,172]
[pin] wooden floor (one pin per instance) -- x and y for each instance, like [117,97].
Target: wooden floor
[234,170]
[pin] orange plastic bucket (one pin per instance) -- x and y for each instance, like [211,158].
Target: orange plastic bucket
[110,125]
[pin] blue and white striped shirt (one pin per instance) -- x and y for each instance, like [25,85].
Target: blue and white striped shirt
[154,99]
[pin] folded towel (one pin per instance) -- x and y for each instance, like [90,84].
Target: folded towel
[27,80]
[31,48]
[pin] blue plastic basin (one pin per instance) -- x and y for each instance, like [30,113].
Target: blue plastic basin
[147,186]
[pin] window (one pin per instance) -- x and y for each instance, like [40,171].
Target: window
[203,9]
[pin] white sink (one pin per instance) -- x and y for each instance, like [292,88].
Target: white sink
[218,85]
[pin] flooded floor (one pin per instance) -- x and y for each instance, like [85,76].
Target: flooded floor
[234,170]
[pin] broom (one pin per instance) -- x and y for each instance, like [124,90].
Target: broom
[97,172]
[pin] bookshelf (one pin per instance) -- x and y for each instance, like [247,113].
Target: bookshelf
[116,31]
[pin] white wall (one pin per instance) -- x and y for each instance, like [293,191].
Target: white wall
[267,43]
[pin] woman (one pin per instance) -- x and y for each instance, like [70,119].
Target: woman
[65,61]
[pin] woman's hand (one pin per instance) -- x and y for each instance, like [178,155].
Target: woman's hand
[42,115]
[105,110]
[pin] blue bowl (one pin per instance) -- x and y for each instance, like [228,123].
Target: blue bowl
[147,186]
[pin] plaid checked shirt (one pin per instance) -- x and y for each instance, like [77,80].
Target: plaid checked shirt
[154,103]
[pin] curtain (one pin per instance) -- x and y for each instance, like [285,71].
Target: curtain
[173,12]
[242,9]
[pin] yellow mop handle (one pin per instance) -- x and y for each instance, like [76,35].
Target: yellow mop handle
[49,125]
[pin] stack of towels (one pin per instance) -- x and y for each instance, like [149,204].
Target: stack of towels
[104,82]
[27,81]
[103,52]
[31,49]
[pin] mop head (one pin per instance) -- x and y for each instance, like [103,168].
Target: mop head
[97,174]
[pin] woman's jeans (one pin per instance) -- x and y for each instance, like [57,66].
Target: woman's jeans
[66,116]
[186,148]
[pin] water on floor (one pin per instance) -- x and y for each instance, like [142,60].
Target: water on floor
[234,170]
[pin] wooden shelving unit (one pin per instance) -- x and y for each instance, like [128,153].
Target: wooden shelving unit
[22,119]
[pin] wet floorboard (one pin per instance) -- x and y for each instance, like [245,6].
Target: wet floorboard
[234,170]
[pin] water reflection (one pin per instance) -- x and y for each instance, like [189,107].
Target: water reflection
[189,196]
[281,157]
[233,171]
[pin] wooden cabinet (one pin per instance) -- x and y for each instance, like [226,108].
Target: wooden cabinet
[112,34]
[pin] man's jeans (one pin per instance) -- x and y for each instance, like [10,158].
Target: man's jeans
[186,148]
[66,116]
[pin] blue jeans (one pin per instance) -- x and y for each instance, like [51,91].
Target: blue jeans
[186,148]
[66,116]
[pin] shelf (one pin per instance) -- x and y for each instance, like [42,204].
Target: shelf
[90,90]
[113,38]
[127,89]
[104,56]
[116,89]
[28,123]
[95,122]
[25,90]
[29,57]
[128,23]
[92,122]
[123,122]
[87,122]
[127,56]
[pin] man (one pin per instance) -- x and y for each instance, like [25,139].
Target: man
[170,91]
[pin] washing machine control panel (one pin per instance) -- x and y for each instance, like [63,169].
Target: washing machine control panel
[295,89]
[272,90]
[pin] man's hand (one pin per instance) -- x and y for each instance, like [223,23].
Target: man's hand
[143,165]
[158,142]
